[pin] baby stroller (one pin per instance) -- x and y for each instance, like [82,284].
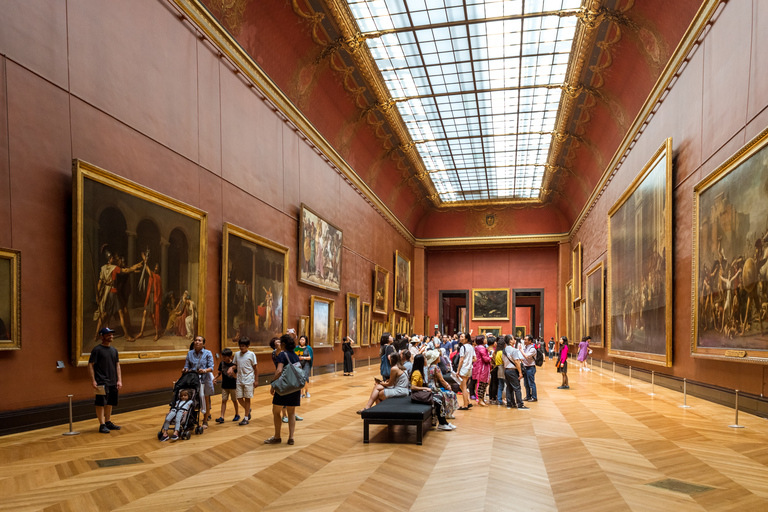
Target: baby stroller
[189,382]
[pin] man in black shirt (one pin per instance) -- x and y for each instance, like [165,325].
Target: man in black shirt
[104,367]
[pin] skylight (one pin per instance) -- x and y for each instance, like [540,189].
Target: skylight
[475,83]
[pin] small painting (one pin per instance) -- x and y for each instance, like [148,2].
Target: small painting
[519,331]
[254,295]
[353,318]
[380,290]
[338,329]
[365,324]
[304,326]
[10,299]
[490,330]
[321,321]
[490,304]
[402,283]
[320,244]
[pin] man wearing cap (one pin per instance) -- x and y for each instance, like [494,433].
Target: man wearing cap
[104,367]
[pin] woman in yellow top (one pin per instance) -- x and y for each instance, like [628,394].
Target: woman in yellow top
[498,364]
[418,383]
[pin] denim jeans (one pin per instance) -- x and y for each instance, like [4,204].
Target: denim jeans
[530,382]
[514,397]
[500,396]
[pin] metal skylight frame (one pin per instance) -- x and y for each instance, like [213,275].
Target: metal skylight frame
[477,84]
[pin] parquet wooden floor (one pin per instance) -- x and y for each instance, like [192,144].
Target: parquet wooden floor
[595,447]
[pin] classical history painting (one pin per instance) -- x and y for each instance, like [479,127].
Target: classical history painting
[254,294]
[10,299]
[569,311]
[321,322]
[640,265]
[490,304]
[380,290]
[353,318]
[730,258]
[365,324]
[576,270]
[320,244]
[402,283]
[138,268]
[595,304]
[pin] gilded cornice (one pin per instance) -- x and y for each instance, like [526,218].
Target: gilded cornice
[687,45]
[210,28]
[544,239]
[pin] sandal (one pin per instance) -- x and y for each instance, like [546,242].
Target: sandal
[290,441]
[463,408]
[361,410]
[273,440]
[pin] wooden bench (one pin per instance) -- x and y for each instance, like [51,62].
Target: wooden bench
[398,411]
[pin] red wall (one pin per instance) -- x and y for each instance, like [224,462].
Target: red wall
[716,106]
[129,87]
[494,268]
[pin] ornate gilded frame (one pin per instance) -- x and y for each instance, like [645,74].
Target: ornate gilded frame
[569,310]
[490,329]
[13,257]
[353,299]
[484,290]
[380,274]
[365,331]
[663,154]
[301,251]
[593,274]
[576,269]
[313,325]
[82,171]
[734,165]
[250,237]
[304,324]
[399,258]
[338,329]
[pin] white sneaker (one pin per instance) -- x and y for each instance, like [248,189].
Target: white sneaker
[453,427]
[444,427]
[308,395]
[587,369]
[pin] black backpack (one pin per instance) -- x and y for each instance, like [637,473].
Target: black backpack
[540,356]
[455,361]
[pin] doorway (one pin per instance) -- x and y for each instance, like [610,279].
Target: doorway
[528,310]
[454,313]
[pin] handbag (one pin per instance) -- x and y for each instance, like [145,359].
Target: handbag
[291,380]
[421,396]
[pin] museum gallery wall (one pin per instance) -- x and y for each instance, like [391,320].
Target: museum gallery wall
[178,123]
[706,133]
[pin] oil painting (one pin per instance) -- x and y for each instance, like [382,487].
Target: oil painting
[320,248]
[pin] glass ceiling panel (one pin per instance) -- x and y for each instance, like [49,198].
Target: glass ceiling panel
[477,84]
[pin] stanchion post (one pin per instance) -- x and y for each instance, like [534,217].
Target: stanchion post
[614,370]
[736,408]
[685,395]
[653,375]
[335,368]
[630,376]
[72,432]
[354,365]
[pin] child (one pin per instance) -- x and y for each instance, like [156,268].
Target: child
[176,415]
[227,372]
[247,377]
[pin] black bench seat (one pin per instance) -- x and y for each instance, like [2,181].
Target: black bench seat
[398,411]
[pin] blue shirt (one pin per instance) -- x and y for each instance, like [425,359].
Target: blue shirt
[200,361]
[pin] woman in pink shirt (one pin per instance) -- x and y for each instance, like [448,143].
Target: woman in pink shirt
[562,362]
[481,369]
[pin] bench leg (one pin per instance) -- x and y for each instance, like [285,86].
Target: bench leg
[419,433]
[365,432]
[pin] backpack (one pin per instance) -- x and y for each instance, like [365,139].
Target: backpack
[455,361]
[539,356]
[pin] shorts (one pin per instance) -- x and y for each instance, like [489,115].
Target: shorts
[227,394]
[244,390]
[109,399]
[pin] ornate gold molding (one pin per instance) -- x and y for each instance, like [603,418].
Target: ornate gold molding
[689,42]
[545,239]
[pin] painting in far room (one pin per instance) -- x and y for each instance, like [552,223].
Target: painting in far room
[490,304]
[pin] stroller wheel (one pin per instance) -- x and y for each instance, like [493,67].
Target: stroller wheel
[159,435]
[187,435]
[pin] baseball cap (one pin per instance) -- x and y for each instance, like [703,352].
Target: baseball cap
[105,330]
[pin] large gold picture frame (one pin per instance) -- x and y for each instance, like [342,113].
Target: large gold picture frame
[595,313]
[10,299]
[495,330]
[380,290]
[320,249]
[639,290]
[576,269]
[338,330]
[254,288]
[139,259]
[730,258]
[365,324]
[402,283]
[353,318]
[490,304]
[321,322]
[569,311]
